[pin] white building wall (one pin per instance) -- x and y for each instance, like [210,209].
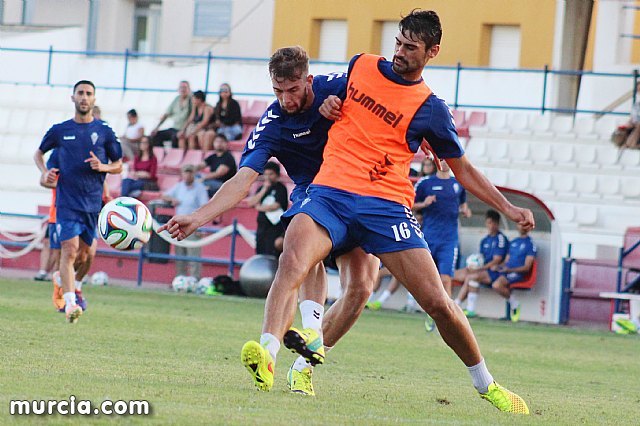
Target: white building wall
[250,38]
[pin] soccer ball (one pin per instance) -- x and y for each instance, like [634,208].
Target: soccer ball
[203,285]
[475,260]
[99,278]
[125,223]
[192,284]
[179,283]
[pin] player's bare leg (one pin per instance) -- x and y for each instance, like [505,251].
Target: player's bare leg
[306,243]
[69,252]
[358,273]
[416,269]
[446,282]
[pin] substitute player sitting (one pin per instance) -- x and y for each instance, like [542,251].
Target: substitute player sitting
[494,248]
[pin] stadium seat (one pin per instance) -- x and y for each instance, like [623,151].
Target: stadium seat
[5,118]
[562,153]
[192,157]
[587,215]
[607,157]
[497,122]
[541,184]
[11,149]
[244,105]
[584,128]
[158,152]
[497,176]
[519,123]
[605,126]
[458,117]
[564,213]
[585,156]
[630,187]
[497,151]
[19,121]
[563,183]
[476,148]
[519,152]
[477,118]
[255,111]
[237,145]
[114,182]
[562,125]
[529,280]
[166,182]
[171,161]
[541,124]
[518,179]
[630,158]
[246,131]
[586,186]
[609,186]
[541,154]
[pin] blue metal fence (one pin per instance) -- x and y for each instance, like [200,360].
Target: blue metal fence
[209,58]
[143,254]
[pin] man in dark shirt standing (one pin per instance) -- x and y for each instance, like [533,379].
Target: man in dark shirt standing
[221,164]
[271,201]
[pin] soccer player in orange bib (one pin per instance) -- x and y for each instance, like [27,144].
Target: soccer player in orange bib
[362,196]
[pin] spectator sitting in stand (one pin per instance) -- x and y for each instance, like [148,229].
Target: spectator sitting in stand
[132,135]
[143,176]
[192,134]
[221,164]
[178,111]
[270,201]
[227,119]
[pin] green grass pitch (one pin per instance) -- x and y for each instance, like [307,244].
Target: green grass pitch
[181,353]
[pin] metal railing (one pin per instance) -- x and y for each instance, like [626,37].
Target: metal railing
[144,254]
[209,59]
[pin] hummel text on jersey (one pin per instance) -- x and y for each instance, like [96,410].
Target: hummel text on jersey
[377,109]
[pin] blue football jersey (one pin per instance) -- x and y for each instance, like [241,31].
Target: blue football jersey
[519,249]
[296,140]
[440,219]
[80,188]
[496,245]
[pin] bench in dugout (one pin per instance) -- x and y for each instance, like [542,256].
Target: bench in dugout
[527,284]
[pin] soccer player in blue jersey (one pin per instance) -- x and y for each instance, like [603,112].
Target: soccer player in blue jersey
[293,131]
[494,248]
[440,199]
[87,149]
[518,263]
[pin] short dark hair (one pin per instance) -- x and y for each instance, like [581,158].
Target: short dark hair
[199,94]
[75,86]
[132,112]
[221,136]
[493,215]
[289,63]
[271,165]
[422,24]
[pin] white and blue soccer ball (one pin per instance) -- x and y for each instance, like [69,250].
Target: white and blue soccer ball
[125,223]
[203,285]
[99,278]
[475,261]
[179,283]
[192,284]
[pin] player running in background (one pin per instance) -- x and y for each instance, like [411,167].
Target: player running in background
[493,247]
[85,148]
[440,199]
[362,196]
[293,131]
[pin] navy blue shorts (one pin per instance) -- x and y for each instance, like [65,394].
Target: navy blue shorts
[514,277]
[71,223]
[493,275]
[54,238]
[445,255]
[376,225]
